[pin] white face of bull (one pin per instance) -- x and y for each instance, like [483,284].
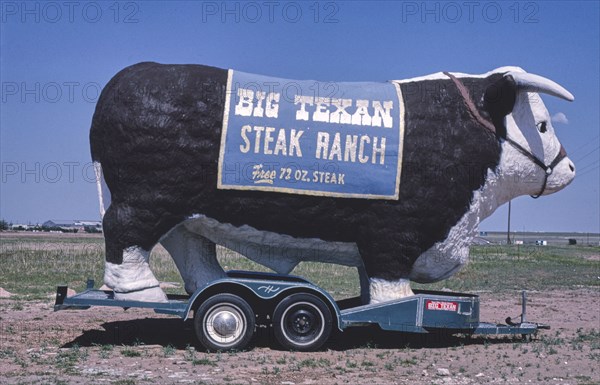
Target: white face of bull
[530,126]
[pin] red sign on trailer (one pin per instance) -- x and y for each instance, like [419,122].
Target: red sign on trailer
[441,305]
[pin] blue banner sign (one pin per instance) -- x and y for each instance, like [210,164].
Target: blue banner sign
[309,137]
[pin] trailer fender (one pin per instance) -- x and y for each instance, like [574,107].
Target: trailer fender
[263,296]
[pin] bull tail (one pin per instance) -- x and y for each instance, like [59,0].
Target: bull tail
[103,191]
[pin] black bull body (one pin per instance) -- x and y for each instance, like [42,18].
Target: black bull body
[156,132]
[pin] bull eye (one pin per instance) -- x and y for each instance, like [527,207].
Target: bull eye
[542,127]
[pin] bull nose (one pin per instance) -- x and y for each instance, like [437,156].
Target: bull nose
[571,167]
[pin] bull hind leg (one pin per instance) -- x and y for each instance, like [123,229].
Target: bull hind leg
[127,270]
[195,257]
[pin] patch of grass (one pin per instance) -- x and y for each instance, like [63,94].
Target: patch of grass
[585,380]
[169,350]
[34,265]
[130,352]
[549,341]
[501,268]
[340,369]
[105,350]
[67,359]
[262,360]
[203,361]
[124,382]
[594,356]
[7,353]
[281,360]
[190,353]
[406,362]
[313,363]
[591,337]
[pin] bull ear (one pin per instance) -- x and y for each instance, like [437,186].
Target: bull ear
[499,100]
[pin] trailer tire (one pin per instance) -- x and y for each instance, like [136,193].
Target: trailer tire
[302,322]
[224,322]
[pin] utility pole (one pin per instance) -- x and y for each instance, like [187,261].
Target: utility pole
[508,231]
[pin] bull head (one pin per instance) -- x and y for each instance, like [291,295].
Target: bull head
[533,160]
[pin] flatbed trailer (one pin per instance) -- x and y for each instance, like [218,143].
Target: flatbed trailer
[226,312]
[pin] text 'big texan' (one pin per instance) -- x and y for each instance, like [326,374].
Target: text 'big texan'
[309,137]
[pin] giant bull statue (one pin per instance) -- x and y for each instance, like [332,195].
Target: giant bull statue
[471,143]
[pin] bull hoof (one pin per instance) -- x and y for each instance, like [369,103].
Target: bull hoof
[151,294]
[384,291]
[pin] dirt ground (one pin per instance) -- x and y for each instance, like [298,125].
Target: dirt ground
[102,345]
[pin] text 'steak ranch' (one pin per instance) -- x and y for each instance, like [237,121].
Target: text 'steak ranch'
[329,146]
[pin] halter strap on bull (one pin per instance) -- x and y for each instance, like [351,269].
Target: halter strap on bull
[490,127]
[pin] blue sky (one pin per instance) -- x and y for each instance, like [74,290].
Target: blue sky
[56,57]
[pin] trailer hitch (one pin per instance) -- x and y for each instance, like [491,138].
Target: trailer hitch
[523,315]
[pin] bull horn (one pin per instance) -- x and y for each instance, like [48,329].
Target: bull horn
[536,83]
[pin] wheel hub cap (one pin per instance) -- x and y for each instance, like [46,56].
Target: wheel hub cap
[302,322]
[225,324]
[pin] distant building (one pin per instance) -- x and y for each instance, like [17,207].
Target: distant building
[56,223]
[20,226]
[70,225]
[90,226]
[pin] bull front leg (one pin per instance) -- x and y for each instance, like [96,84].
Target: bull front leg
[127,270]
[387,271]
[382,290]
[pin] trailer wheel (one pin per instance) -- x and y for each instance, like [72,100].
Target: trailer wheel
[302,322]
[224,322]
